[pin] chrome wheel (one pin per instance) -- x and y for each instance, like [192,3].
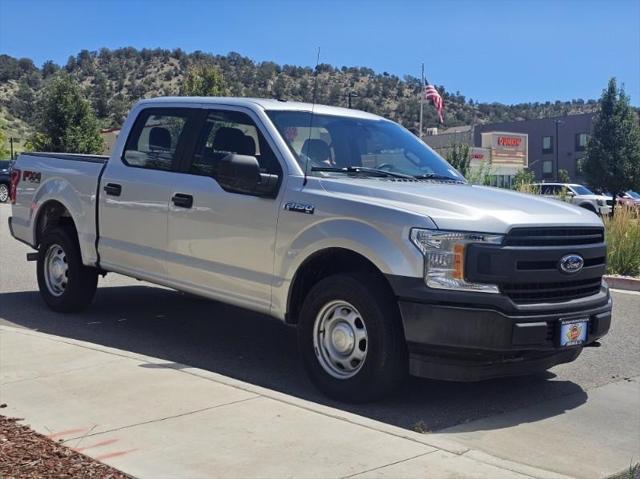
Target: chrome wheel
[56,270]
[4,193]
[340,339]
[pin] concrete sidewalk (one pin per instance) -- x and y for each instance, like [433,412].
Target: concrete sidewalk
[596,439]
[155,419]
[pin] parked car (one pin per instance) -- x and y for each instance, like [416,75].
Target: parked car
[629,198]
[333,220]
[5,180]
[578,195]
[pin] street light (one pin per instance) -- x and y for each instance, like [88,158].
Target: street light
[555,170]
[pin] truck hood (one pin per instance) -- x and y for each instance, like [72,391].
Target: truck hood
[462,207]
[593,197]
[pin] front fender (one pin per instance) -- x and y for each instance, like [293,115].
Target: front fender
[388,248]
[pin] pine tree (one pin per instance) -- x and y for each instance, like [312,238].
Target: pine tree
[22,103]
[101,94]
[65,121]
[5,152]
[203,80]
[613,152]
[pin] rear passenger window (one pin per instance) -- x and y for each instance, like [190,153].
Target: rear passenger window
[227,132]
[154,140]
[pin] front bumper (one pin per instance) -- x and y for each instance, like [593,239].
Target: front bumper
[604,210]
[467,341]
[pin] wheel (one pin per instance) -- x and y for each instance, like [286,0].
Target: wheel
[66,285]
[4,193]
[351,339]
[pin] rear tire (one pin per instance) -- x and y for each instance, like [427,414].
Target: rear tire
[350,338]
[66,285]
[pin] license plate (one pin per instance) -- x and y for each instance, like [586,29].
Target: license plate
[573,332]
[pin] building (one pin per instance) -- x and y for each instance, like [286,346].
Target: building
[506,148]
[505,152]
[443,140]
[499,154]
[552,143]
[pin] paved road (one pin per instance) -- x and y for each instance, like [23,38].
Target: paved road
[142,318]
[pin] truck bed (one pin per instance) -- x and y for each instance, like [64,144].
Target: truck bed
[68,178]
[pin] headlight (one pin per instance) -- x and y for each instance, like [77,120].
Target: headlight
[444,254]
[601,202]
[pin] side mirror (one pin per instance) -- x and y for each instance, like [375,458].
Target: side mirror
[241,174]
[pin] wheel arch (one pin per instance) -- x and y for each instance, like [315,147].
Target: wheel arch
[51,213]
[321,264]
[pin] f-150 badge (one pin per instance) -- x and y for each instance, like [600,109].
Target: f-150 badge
[300,207]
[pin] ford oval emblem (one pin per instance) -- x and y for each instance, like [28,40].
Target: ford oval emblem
[571,263]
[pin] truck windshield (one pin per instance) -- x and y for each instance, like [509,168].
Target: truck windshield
[343,145]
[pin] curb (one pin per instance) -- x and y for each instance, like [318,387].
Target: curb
[626,283]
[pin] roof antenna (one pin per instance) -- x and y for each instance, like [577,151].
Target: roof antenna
[313,106]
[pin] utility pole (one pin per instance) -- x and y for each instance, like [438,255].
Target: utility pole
[349,96]
[555,170]
[11,143]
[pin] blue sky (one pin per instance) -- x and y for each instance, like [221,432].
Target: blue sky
[506,51]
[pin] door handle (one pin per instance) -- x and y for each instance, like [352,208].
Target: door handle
[113,189]
[182,200]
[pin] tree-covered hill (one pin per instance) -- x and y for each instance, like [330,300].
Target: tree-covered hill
[114,79]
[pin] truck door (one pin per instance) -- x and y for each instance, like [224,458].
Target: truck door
[134,193]
[221,243]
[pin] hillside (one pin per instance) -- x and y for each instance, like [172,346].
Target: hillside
[115,79]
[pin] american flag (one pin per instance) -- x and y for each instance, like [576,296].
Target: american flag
[431,94]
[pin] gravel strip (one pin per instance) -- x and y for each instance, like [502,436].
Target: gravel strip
[26,454]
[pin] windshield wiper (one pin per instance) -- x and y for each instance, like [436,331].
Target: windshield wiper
[435,176]
[361,169]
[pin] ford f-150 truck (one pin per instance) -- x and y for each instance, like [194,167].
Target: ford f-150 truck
[337,221]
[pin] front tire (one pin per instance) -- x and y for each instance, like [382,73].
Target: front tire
[350,337]
[66,285]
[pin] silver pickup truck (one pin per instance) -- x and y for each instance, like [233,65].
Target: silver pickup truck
[337,221]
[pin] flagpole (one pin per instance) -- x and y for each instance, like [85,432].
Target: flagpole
[421,98]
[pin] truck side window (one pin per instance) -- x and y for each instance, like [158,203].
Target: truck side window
[154,139]
[226,132]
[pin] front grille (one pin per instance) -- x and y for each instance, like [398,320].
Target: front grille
[551,330]
[551,292]
[553,265]
[610,202]
[554,236]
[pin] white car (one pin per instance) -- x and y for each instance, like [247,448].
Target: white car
[335,221]
[578,195]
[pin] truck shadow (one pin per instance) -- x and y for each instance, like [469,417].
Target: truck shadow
[183,330]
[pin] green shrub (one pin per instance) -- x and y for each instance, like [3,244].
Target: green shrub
[623,242]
